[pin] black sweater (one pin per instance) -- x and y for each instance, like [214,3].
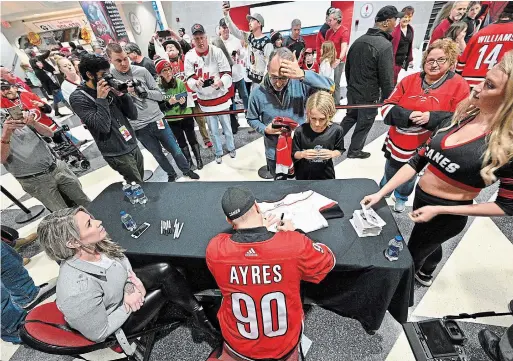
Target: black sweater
[369,67]
[104,118]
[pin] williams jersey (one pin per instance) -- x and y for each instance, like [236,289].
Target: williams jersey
[484,50]
[261,314]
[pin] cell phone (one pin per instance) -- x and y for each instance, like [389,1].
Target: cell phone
[163,33]
[16,112]
[140,230]
[181,95]
[208,82]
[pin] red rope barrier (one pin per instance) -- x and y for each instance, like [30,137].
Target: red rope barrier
[362,106]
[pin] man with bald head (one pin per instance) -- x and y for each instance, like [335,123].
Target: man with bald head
[283,93]
[459,8]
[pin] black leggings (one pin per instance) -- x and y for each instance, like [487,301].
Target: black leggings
[174,289]
[426,239]
[179,127]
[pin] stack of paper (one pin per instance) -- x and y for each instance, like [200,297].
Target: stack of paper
[366,222]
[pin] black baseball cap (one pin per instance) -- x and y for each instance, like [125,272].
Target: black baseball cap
[4,84]
[222,23]
[197,28]
[237,201]
[388,12]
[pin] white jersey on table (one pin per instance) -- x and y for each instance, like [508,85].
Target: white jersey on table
[303,209]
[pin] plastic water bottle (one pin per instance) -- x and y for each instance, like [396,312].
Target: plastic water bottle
[127,189]
[128,221]
[138,194]
[395,246]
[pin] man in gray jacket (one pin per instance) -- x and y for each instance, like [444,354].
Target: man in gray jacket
[369,75]
[150,127]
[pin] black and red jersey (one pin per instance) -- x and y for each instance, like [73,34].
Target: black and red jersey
[460,165]
[413,94]
[485,49]
[261,314]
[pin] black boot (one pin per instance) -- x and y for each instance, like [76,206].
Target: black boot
[204,324]
[197,155]
[187,154]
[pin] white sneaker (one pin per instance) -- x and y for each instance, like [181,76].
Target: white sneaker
[233,153]
[45,290]
[219,160]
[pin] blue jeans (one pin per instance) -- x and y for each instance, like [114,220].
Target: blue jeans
[404,190]
[240,86]
[154,139]
[212,121]
[18,290]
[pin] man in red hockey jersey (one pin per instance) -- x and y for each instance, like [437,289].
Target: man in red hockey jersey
[259,274]
[486,48]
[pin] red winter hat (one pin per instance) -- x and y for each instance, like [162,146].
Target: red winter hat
[161,64]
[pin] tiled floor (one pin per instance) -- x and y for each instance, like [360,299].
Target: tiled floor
[476,273]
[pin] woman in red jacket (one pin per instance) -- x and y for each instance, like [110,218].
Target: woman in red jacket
[402,42]
[416,107]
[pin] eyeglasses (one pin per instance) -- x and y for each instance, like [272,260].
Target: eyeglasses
[167,70]
[274,79]
[440,61]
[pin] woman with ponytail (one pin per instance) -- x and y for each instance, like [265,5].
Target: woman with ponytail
[97,290]
[472,152]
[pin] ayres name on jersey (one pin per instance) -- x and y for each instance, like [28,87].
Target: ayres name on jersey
[255,275]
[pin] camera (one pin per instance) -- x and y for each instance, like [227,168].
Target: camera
[139,89]
[116,84]
[208,82]
[436,340]
[122,87]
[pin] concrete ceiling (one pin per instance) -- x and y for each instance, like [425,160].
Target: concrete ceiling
[17,10]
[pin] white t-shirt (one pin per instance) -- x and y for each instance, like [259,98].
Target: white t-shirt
[238,69]
[326,69]
[67,88]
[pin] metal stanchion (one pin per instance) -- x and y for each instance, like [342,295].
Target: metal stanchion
[147,175]
[29,214]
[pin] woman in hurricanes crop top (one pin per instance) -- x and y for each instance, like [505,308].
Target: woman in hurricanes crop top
[471,153]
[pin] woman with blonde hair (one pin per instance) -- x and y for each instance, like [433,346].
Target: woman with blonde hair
[474,151]
[97,290]
[317,141]
[328,59]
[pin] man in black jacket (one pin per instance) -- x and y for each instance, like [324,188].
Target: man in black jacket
[369,75]
[105,115]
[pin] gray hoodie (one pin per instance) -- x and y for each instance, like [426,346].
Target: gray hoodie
[148,109]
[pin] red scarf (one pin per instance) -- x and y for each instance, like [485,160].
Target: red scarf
[284,161]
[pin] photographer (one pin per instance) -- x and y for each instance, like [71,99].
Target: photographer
[106,118]
[28,158]
[150,128]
